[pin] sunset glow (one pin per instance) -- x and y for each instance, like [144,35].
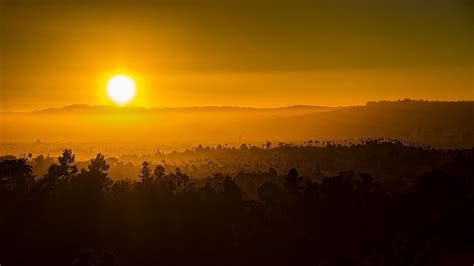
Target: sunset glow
[236,132]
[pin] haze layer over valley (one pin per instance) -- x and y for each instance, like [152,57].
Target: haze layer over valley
[128,130]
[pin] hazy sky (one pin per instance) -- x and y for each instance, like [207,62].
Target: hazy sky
[248,53]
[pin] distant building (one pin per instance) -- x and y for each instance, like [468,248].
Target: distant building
[418,132]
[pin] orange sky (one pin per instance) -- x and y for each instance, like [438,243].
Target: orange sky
[258,53]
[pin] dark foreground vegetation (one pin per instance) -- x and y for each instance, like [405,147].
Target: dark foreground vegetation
[73,216]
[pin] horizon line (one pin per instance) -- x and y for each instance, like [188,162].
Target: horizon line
[224,106]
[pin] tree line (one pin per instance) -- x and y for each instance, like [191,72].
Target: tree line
[73,216]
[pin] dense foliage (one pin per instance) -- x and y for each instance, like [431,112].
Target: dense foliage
[74,216]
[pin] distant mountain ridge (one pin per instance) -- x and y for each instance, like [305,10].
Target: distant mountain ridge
[447,124]
[88,108]
[81,108]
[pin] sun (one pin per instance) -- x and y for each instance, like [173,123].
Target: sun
[121,89]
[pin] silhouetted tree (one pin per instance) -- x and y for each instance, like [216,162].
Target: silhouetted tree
[15,175]
[145,172]
[159,172]
[270,193]
[62,172]
[293,180]
[343,219]
[231,190]
[95,179]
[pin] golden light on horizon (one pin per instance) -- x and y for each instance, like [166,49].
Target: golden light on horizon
[121,89]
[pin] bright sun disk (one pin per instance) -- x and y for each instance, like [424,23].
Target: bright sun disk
[121,89]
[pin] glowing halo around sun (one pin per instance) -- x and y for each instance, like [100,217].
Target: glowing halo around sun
[121,89]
